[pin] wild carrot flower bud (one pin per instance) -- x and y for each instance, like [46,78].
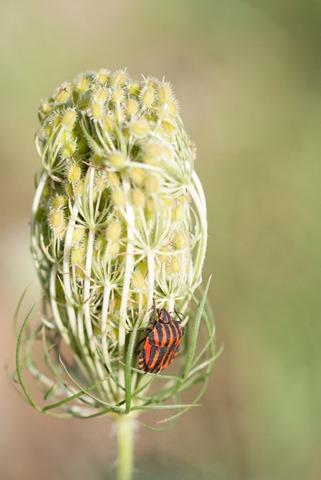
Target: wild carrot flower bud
[59,201]
[117,95]
[119,78]
[165,93]
[119,234]
[138,280]
[63,93]
[137,175]
[113,249]
[78,235]
[96,110]
[82,83]
[175,265]
[78,188]
[138,198]
[69,119]
[116,159]
[101,182]
[77,260]
[119,198]
[152,184]
[113,231]
[113,180]
[74,173]
[132,107]
[68,145]
[148,96]
[139,128]
[56,221]
[103,76]
[108,123]
[45,107]
[180,240]
[152,152]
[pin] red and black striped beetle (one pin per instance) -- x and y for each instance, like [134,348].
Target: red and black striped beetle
[161,343]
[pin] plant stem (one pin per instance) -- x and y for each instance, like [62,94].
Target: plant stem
[125,441]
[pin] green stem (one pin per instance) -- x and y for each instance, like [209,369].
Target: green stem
[125,440]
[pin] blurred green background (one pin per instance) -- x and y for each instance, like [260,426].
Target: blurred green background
[247,76]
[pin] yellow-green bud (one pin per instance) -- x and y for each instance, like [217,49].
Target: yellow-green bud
[137,175]
[178,213]
[79,187]
[74,173]
[77,256]
[151,205]
[97,110]
[100,243]
[148,97]
[113,179]
[152,184]
[139,128]
[117,159]
[63,93]
[173,107]
[78,235]
[108,123]
[168,126]
[152,152]
[57,223]
[69,119]
[82,83]
[45,107]
[165,92]
[138,280]
[113,249]
[68,190]
[97,160]
[118,78]
[138,198]
[100,96]
[101,182]
[59,201]
[68,145]
[133,88]
[103,76]
[175,266]
[180,240]
[119,198]
[117,95]
[113,231]
[132,107]
[77,259]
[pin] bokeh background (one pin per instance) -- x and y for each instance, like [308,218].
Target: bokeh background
[247,75]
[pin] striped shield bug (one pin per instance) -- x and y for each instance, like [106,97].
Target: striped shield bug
[161,344]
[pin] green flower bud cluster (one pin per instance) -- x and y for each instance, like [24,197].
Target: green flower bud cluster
[118,224]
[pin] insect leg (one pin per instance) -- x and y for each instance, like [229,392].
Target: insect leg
[179,315]
[141,341]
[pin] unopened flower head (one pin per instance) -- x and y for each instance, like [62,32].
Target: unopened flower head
[123,231]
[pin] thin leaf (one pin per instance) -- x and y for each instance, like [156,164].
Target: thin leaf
[86,391]
[20,377]
[191,348]
[17,311]
[166,407]
[128,369]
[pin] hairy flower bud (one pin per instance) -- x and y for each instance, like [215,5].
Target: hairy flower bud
[74,173]
[119,232]
[113,231]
